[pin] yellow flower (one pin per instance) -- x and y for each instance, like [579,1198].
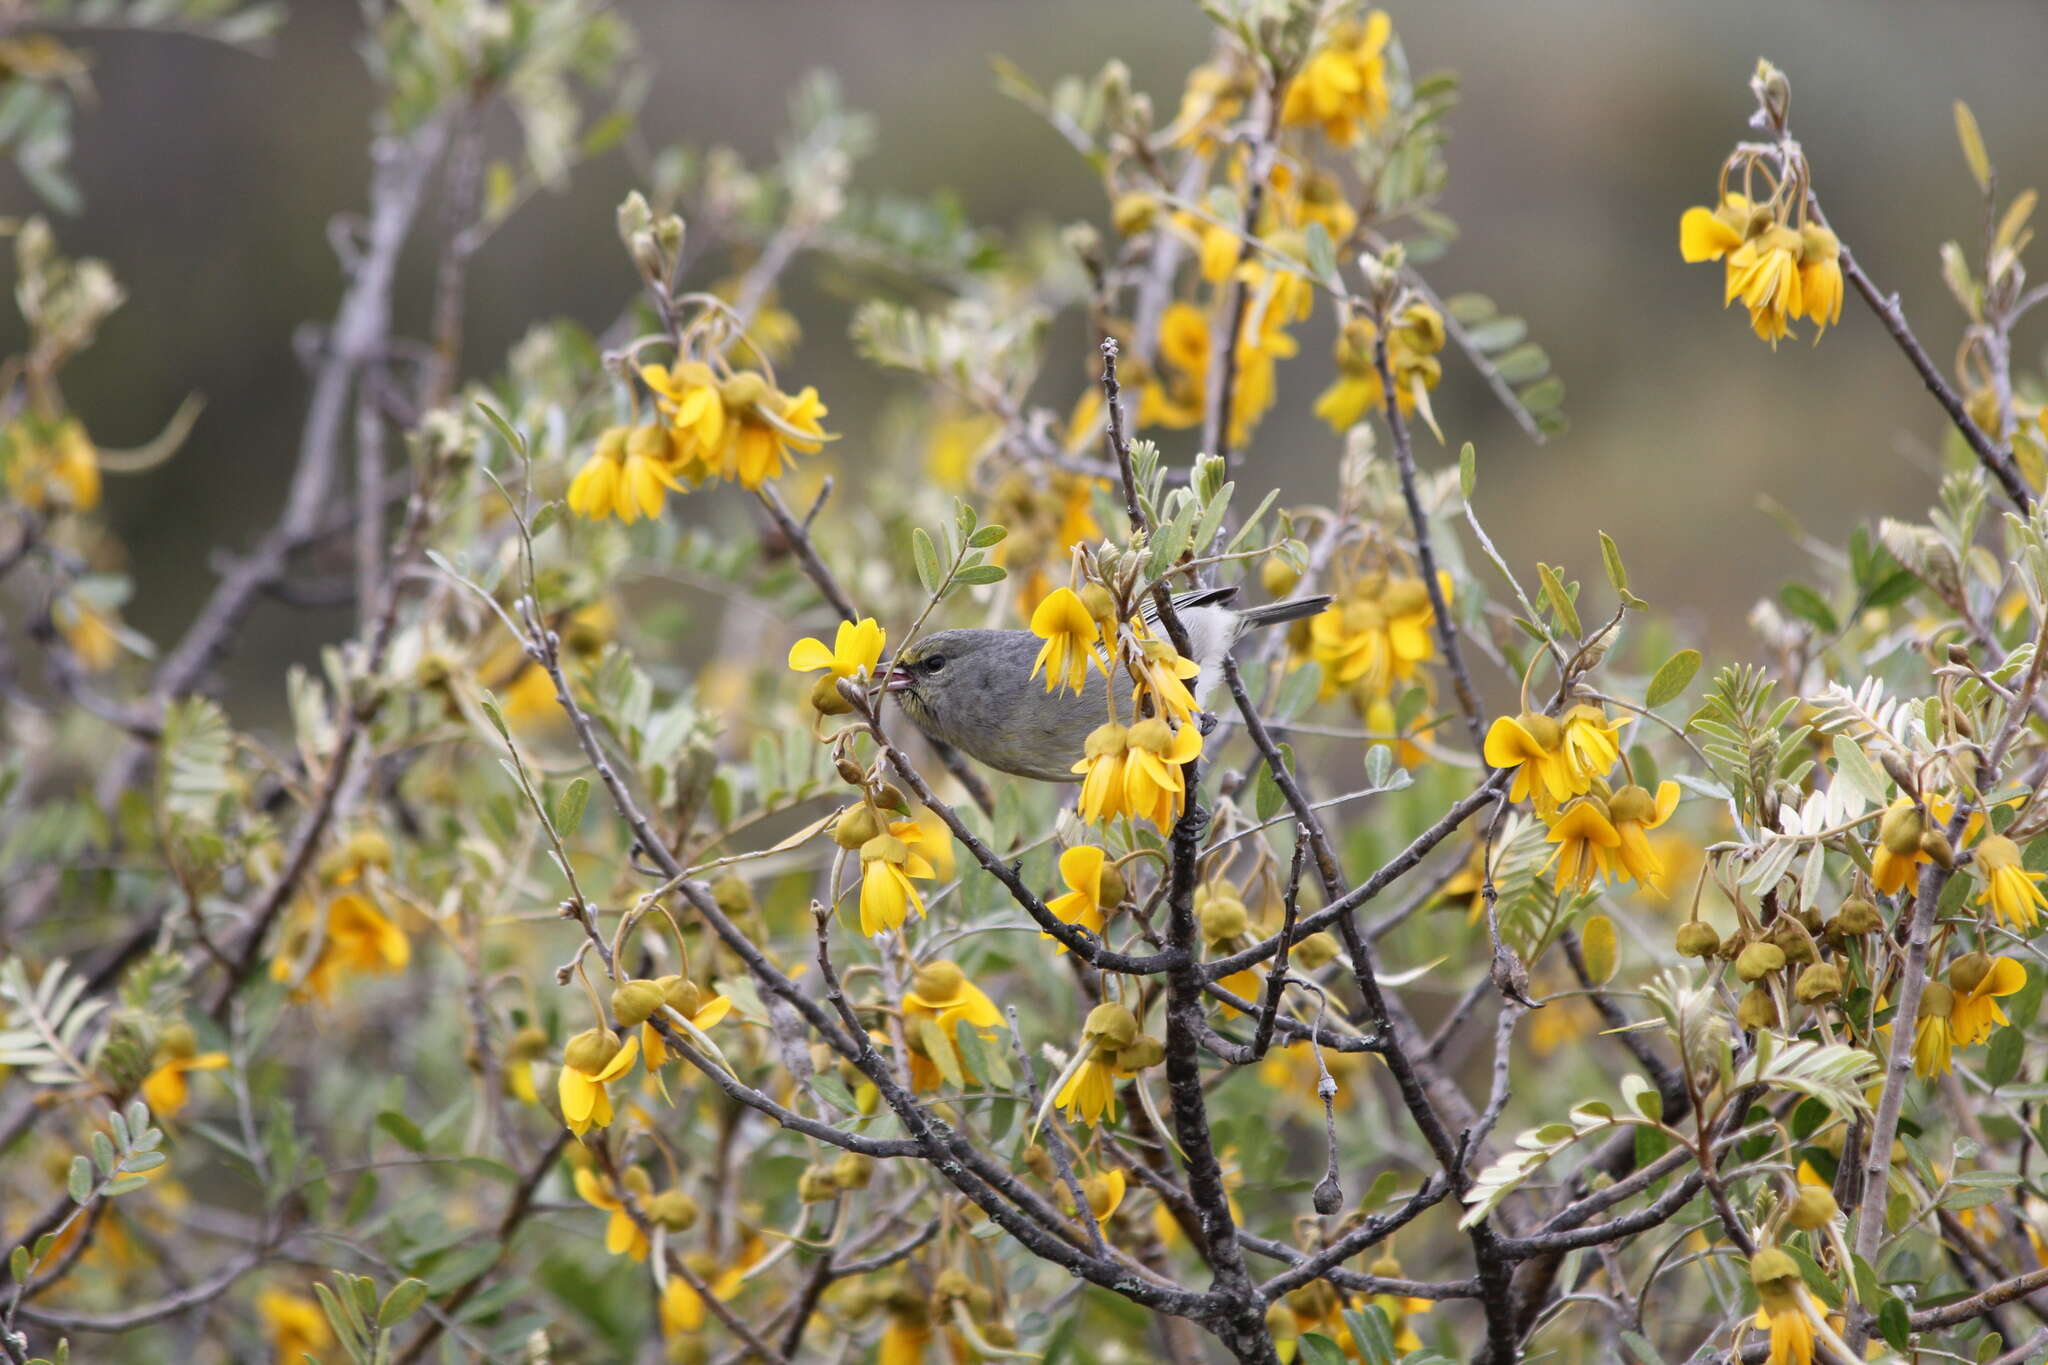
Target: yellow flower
[953,446]
[1585,835]
[88,632]
[1786,1319]
[1635,813]
[1212,98]
[627,476]
[357,938]
[764,427]
[1104,1193]
[1820,277]
[886,891]
[1934,1035]
[1162,677]
[1412,348]
[1343,85]
[2012,892]
[941,993]
[165,1089]
[688,395]
[1090,1092]
[1072,639]
[703,1017]
[1764,273]
[1102,773]
[590,1062]
[1590,743]
[622,1236]
[1706,234]
[1377,635]
[682,1308]
[1976,983]
[1533,744]
[47,457]
[903,1341]
[1155,787]
[296,1325]
[1081,867]
[856,650]
[1383,724]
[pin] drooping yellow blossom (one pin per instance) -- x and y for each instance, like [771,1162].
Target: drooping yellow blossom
[356,937]
[940,992]
[1090,1093]
[165,1089]
[1532,744]
[1162,678]
[856,650]
[1214,96]
[1412,347]
[1764,273]
[682,1307]
[954,444]
[1782,1309]
[688,395]
[1180,398]
[590,1062]
[1104,1193]
[1375,635]
[1590,743]
[904,1340]
[2012,892]
[1934,1036]
[1635,812]
[622,1236]
[1706,234]
[297,1326]
[1779,272]
[1977,980]
[688,999]
[628,475]
[1102,765]
[1343,85]
[1820,276]
[1073,640]
[1586,842]
[1081,868]
[45,458]
[887,893]
[1155,787]
[767,426]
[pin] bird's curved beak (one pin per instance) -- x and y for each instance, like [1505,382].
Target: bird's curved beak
[898,679]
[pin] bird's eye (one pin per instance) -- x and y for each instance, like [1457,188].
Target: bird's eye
[934,663]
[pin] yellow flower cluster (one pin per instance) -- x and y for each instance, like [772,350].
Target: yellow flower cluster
[1342,88]
[1562,766]
[355,936]
[1375,635]
[1779,272]
[46,460]
[1412,345]
[737,427]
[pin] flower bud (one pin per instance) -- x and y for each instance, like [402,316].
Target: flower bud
[591,1051]
[527,1044]
[177,1042]
[1967,972]
[856,825]
[1788,936]
[1039,1161]
[826,698]
[682,995]
[635,1002]
[1759,960]
[1223,917]
[733,894]
[1278,577]
[1141,1052]
[938,980]
[1112,1023]
[1133,213]
[816,1185]
[889,796]
[1698,939]
[1100,605]
[853,1171]
[1315,950]
[1818,984]
[1900,830]
[1757,1010]
[674,1210]
[953,1283]
[1857,916]
[1934,843]
[1771,1266]
[1814,1207]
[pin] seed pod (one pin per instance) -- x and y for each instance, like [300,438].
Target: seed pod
[1815,1207]
[1112,1023]
[1759,960]
[1818,984]
[592,1050]
[1328,1196]
[1900,830]
[1315,950]
[635,1002]
[1698,939]
[1967,972]
[1757,1010]
[855,826]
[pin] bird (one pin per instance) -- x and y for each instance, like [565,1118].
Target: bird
[973,689]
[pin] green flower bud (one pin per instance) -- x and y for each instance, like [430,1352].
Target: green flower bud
[1759,960]
[1315,950]
[1815,1207]
[816,1185]
[1111,1023]
[1698,939]
[733,894]
[1278,577]
[1934,843]
[853,1171]
[1111,890]
[1818,984]
[1223,918]
[856,825]
[682,995]
[1900,830]
[635,1002]
[1757,1010]
[674,1210]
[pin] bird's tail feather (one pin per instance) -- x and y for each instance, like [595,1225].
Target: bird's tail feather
[1275,613]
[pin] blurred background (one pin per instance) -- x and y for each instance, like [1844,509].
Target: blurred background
[1586,128]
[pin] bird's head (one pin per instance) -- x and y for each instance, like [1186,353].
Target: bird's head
[946,678]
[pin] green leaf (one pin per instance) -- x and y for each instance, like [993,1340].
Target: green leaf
[1322,253]
[1598,946]
[1317,1349]
[569,809]
[403,1130]
[1672,676]
[402,1302]
[1892,1323]
[1468,471]
[2002,1062]
[1560,601]
[490,710]
[513,439]
[1610,555]
[927,556]
[833,1091]
[18,1264]
[1267,798]
[1979,161]
[975,575]
[987,536]
[1808,605]
[80,1181]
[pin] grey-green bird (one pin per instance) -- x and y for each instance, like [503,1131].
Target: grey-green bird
[973,689]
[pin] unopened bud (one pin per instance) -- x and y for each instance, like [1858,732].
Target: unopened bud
[1757,1010]
[1815,1207]
[938,980]
[1818,984]
[853,1171]
[1112,1023]
[1697,939]
[1759,960]
[1316,950]
[1278,577]
[1934,843]
[635,1002]
[816,1185]
[682,995]
[674,1210]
